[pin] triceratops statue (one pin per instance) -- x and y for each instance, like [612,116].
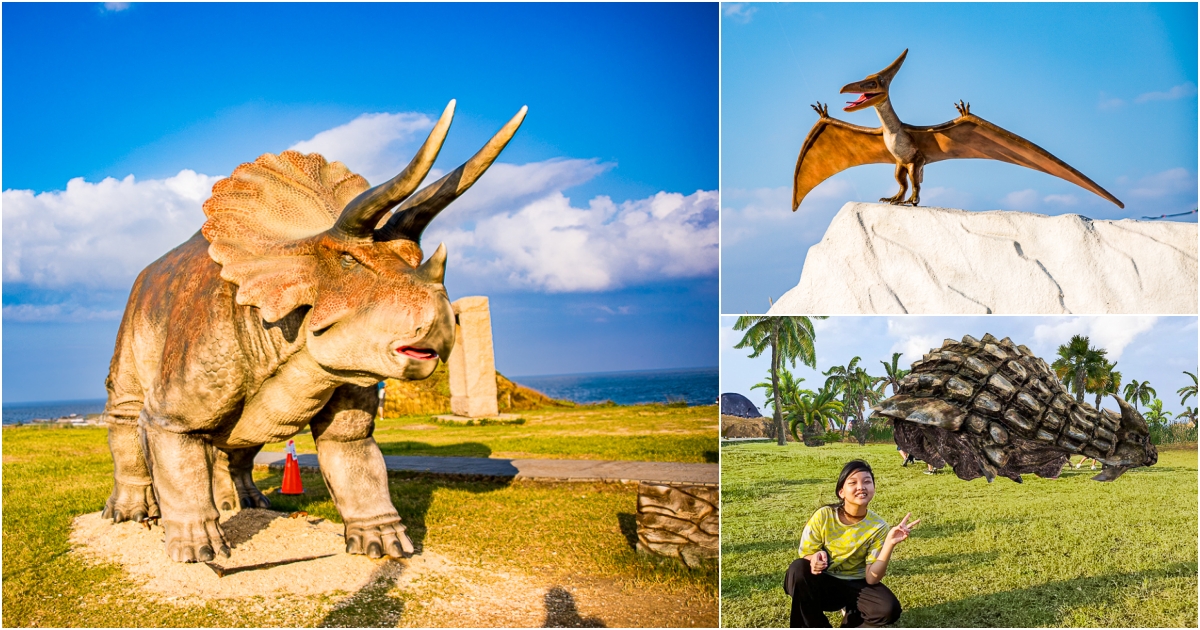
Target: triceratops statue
[284,311]
[988,407]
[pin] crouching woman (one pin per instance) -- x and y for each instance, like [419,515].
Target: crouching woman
[844,554]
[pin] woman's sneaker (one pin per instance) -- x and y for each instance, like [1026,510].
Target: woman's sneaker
[851,618]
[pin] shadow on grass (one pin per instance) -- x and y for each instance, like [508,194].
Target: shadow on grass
[371,606]
[941,563]
[1041,605]
[712,457]
[412,495]
[943,530]
[463,449]
[628,524]
[562,612]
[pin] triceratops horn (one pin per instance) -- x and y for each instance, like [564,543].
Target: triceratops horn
[416,212]
[434,269]
[360,216]
[1130,418]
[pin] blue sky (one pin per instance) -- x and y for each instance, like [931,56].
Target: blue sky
[1146,348]
[1109,88]
[118,120]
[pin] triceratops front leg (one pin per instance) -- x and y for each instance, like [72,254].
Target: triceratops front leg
[181,465]
[356,475]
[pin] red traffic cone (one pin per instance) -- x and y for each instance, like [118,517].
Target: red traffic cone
[291,472]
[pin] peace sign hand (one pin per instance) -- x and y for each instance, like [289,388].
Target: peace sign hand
[899,533]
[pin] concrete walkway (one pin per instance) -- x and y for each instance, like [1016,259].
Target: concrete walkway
[531,469]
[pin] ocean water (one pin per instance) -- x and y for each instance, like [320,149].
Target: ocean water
[17,413]
[696,386]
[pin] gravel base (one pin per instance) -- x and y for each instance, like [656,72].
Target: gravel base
[255,536]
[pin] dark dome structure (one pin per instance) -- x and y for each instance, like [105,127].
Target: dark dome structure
[738,405]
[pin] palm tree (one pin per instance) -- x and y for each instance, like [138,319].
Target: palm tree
[1139,391]
[1107,382]
[1187,391]
[813,410]
[789,338]
[1078,361]
[1157,419]
[836,379]
[1188,415]
[857,388]
[789,388]
[893,373]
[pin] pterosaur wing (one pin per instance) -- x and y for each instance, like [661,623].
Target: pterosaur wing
[831,147]
[970,136]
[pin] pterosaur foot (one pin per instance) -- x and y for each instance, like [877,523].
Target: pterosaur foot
[895,201]
[822,110]
[912,201]
[963,109]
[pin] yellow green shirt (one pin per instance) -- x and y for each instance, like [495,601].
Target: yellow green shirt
[850,547]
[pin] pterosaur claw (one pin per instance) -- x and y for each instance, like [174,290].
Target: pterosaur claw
[822,110]
[963,108]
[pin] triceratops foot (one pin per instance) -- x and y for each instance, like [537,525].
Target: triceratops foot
[252,498]
[377,536]
[131,502]
[195,541]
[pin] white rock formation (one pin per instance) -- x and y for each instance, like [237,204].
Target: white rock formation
[878,258]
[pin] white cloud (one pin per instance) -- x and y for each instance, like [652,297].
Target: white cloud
[116,6]
[740,12]
[1182,90]
[551,245]
[516,228]
[1111,333]
[1062,200]
[99,235]
[57,312]
[1110,103]
[752,214]
[1021,199]
[376,146]
[1169,182]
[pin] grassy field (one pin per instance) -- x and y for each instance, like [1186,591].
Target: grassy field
[574,536]
[1065,552]
[640,432]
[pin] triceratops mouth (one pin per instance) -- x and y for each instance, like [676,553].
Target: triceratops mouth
[423,354]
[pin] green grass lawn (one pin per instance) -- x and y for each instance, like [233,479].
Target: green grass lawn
[1065,552]
[555,532]
[638,433]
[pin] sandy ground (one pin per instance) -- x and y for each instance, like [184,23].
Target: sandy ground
[427,590]
[255,536]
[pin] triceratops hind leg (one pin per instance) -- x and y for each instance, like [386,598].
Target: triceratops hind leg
[356,475]
[233,479]
[132,498]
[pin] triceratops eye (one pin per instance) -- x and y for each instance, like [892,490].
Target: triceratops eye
[348,261]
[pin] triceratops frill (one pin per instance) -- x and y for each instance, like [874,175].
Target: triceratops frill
[991,408]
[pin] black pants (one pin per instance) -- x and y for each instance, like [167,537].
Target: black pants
[812,595]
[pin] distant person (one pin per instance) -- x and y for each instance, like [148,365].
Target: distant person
[910,458]
[844,554]
[382,393]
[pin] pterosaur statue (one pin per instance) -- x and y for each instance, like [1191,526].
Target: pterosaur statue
[833,146]
[988,408]
[303,290]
